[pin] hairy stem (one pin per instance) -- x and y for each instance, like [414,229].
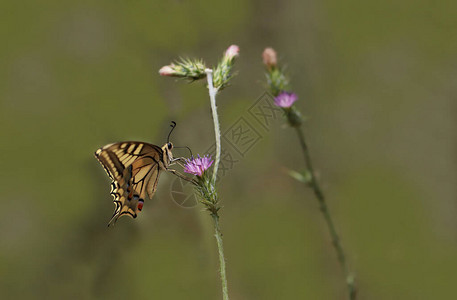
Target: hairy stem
[326,213]
[220,247]
[217,130]
[214,210]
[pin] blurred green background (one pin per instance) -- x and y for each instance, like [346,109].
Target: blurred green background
[376,80]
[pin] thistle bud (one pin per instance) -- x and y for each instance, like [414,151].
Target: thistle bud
[191,69]
[167,70]
[232,52]
[269,58]
[223,72]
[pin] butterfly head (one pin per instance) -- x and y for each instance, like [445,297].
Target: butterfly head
[167,155]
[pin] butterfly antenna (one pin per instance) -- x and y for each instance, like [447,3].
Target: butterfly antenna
[173,125]
[191,155]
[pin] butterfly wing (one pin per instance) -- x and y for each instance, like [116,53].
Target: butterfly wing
[134,168]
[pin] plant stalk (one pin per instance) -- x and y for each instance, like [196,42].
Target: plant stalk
[220,247]
[217,130]
[214,212]
[326,213]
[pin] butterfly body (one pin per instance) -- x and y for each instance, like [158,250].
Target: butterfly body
[134,168]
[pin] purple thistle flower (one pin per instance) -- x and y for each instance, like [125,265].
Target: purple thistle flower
[285,99]
[198,165]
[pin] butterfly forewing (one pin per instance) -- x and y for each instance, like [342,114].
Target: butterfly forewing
[134,168]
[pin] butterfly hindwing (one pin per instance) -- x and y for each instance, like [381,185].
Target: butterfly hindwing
[134,168]
[125,199]
[145,174]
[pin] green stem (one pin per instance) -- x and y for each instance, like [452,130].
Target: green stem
[213,202]
[220,247]
[325,211]
[217,131]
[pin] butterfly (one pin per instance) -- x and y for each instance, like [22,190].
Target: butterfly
[134,168]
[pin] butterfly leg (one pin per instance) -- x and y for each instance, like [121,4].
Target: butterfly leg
[182,176]
[179,160]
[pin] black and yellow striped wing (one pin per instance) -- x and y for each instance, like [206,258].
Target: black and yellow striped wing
[134,168]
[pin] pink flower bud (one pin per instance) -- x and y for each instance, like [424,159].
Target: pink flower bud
[232,51]
[167,70]
[269,57]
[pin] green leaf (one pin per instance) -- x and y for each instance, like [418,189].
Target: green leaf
[304,177]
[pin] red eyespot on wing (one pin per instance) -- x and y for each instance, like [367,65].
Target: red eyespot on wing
[140,205]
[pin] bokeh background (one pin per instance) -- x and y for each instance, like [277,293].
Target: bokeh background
[376,80]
